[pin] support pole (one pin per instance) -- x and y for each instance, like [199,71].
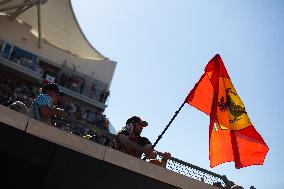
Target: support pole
[39,23]
[166,128]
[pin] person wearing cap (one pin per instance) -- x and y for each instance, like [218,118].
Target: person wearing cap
[43,106]
[129,141]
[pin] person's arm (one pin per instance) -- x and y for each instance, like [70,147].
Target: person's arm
[166,157]
[48,111]
[133,146]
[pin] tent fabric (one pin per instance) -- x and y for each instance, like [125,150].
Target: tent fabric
[59,27]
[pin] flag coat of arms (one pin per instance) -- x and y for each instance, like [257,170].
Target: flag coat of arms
[232,136]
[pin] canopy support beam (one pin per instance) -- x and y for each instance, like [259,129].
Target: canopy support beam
[4,2]
[17,6]
[20,10]
[39,23]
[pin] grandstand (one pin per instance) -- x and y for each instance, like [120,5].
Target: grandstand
[41,41]
[62,54]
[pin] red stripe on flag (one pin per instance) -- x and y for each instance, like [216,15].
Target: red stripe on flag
[249,147]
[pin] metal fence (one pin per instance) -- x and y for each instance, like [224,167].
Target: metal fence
[85,130]
[103,137]
[197,173]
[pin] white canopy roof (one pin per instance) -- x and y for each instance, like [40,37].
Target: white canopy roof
[59,26]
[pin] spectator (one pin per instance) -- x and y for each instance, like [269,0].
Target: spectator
[99,120]
[93,89]
[84,114]
[15,89]
[73,108]
[82,86]
[106,125]
[104,136]
[104,95]
[61,80]
[129,141]
[43,106]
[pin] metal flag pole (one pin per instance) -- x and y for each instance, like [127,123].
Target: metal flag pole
[166,128]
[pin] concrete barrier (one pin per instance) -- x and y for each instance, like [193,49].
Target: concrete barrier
[13,118]
[148,169]
[65,139]
[107,155]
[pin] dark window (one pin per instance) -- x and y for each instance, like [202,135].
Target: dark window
[7,50]
[20,53]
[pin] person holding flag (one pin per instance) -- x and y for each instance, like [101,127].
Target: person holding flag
[130,141]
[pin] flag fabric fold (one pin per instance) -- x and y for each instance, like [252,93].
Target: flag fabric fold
[232,136]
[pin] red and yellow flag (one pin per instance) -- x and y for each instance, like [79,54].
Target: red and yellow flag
[232,136]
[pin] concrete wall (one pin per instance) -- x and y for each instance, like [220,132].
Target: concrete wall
[20,36]
[47,157]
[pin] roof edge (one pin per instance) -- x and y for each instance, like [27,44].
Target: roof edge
[81,31]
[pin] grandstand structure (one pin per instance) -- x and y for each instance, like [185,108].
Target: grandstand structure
[41,41]
[52,45]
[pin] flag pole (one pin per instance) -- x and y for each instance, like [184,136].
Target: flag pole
[166,128]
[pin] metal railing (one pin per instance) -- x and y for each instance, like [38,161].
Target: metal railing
[105,138]
[195,172]
[85,130]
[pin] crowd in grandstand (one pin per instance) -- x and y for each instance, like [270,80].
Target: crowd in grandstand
[28,63]
[80,120]
[66,79]
[12,89]
[65,113]
[78,84]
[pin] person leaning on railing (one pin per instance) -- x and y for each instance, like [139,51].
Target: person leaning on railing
[130,141]
[42,107]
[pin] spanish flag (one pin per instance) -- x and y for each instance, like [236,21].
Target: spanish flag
[232,136]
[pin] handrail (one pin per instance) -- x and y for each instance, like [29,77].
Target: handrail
[195,172]
[98,135]
[174,164]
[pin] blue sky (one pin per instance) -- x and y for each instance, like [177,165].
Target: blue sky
[162,48]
